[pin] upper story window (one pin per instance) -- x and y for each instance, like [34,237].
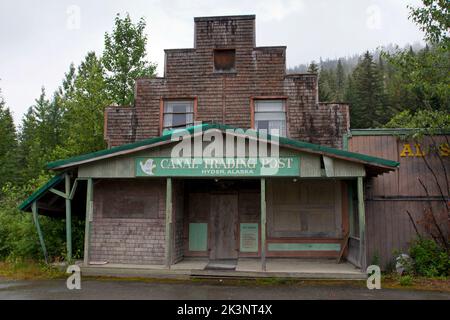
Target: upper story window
[224,60]
[178,114]
[270,115]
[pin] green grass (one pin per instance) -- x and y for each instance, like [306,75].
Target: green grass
[29,270]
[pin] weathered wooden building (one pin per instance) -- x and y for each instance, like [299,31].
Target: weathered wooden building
[304,199]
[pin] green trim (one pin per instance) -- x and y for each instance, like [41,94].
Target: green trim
[39,193]
[345,137]
[68,218]
[361,222]
[389,132]
[375,161]
[169,222]
[304,247]
[58,193]
[125,147]
[263,224]
[34,209]
[198,236]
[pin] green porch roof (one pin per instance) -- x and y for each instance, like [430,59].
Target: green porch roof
[41,192]
[289,143]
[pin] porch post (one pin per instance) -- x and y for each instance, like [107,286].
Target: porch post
[263,224]
[68,219]
[362,223]
[89,213]
[39,231]
[168,222]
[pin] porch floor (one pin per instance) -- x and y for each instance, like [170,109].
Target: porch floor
[246,268]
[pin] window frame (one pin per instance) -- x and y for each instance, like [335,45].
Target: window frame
[284,100]
[162,103]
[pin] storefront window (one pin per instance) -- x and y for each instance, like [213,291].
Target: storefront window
[270,115]
[178,114]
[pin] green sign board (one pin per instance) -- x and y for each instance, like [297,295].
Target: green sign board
[198,236]
[217,167]
[248,237]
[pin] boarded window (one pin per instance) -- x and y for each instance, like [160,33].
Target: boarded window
[303,209]
[270,116]
[128,199]
[224,60]
[131,207]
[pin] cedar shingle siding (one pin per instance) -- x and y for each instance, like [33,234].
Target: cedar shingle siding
[225,97]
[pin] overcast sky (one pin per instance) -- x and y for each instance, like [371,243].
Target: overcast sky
[39,39]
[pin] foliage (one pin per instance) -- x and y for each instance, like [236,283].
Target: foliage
[419,80]
[369,101]
[124,58]
[8,146]
[87,100]
[430,259]
[18,236]
[406,280]
[425,121]
[313,67]
[379,84]
[433,18]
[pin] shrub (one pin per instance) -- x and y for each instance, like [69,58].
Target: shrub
[406,280]
[18,236]
[430,259]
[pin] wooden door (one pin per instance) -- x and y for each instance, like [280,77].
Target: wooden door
[224,216]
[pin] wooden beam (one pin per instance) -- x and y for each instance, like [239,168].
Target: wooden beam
[59,193]
[362,223]
[168,222]
[89,217]
[39,231]
[263,224]
[68,219]
[74,188]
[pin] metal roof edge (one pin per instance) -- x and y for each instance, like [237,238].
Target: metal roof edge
[40,192]
[370,160]
[392,131]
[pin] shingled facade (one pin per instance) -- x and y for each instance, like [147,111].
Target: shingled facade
[146,204]
[227,97]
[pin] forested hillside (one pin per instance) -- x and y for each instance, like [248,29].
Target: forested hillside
[385,82]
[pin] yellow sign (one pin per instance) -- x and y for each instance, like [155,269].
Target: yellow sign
[415,150]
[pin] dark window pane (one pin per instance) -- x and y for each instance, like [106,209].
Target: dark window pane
[224,59]
[178,119]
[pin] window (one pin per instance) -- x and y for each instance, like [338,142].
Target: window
[224,60]
[178,114]
[270,115]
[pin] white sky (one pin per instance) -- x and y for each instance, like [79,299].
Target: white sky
[39,39]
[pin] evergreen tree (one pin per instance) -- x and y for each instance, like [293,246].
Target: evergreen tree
[40,134]
[313,67]
[8,146]
[30,160]
[84,115]
[124,58]
[340,82]
[368,109]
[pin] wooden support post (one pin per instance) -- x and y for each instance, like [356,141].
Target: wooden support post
[39,231]
[68,219]
[362,223]
[89,213]
[263,224]
[168,222]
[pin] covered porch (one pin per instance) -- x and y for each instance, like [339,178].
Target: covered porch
[143,215]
